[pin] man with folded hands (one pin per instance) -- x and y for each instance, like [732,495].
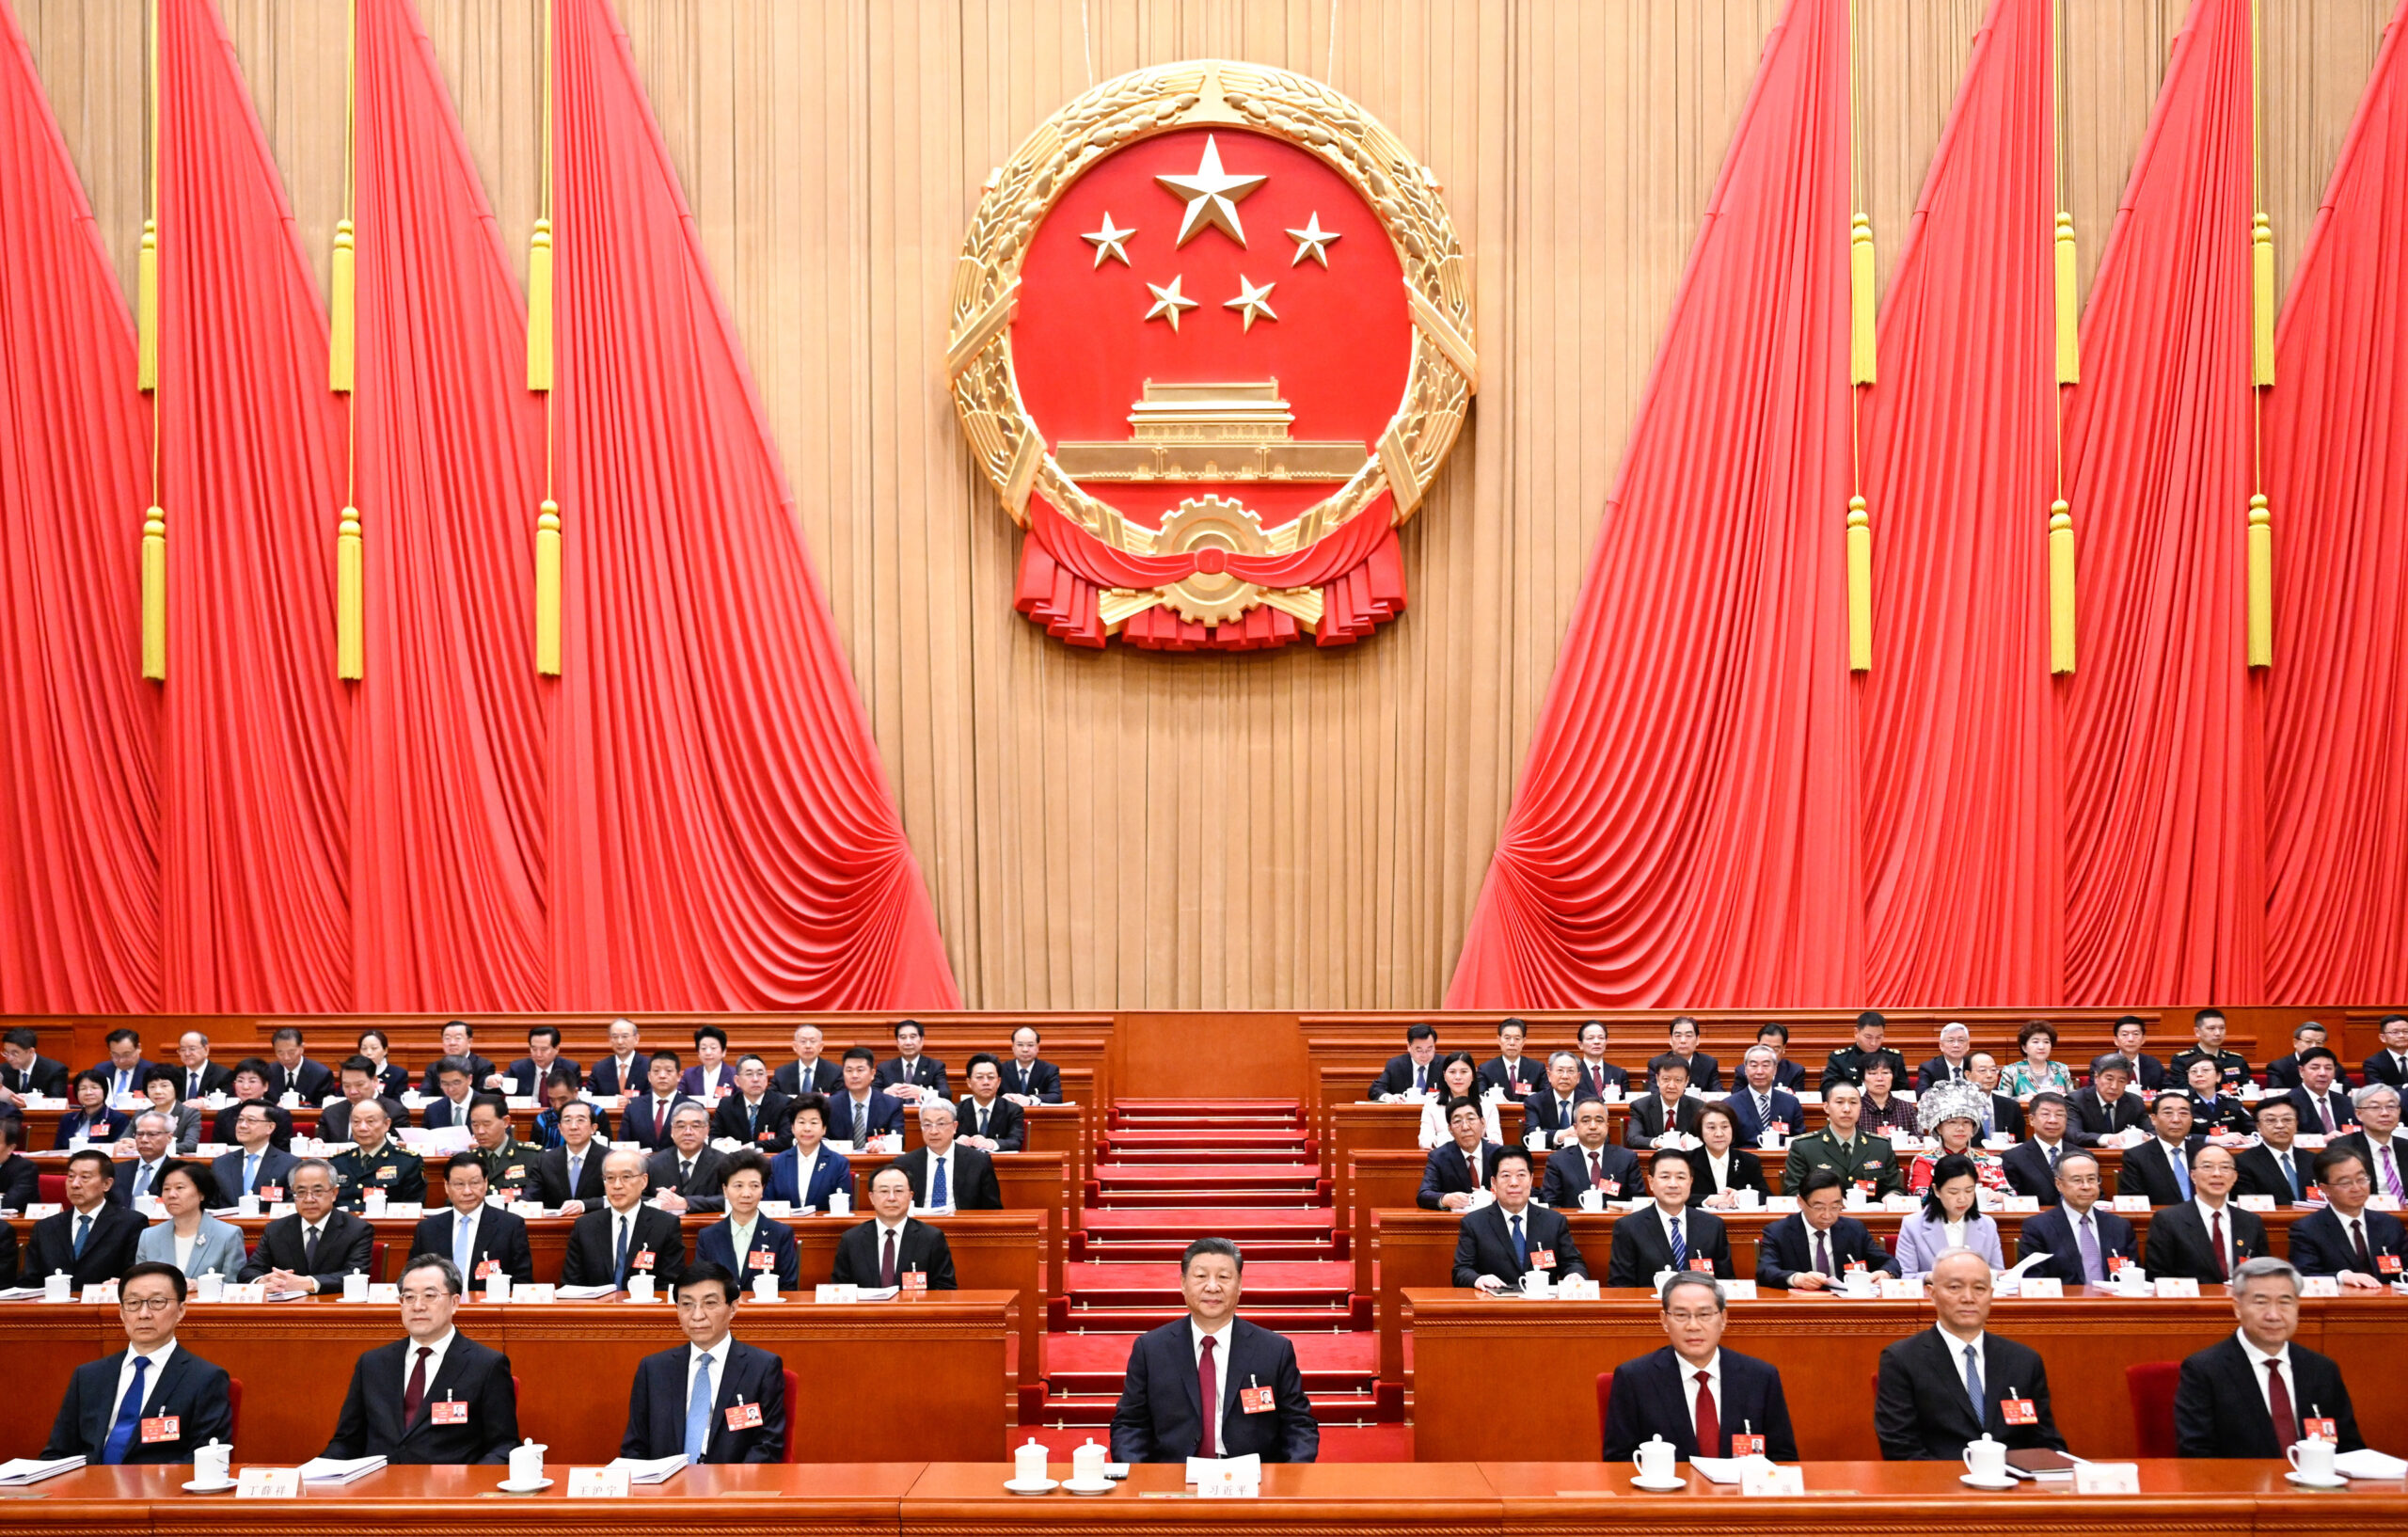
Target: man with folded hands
[1499,1243]
[1943,1387]
[1694,1393]
[713,1398]
[434,1397]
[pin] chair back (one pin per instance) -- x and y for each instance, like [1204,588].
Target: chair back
[794,1393]
[2151,1384]
[1605,1402]
[234,1408]
[377,1261]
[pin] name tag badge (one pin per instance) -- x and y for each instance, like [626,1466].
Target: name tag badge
[1854,1267]
[1611,1187]
[271,1193]
[916,1282]
[2019,1411]
[1778,1128]
[762,1260]
[1699,1261]
[1865,1186]
[744,1416]
[165,1428]
[1255,1401]
[1541,1259]
[451,1412]
[643,1261]
[2311,1426]
[484,1268]
[2387,1264]
[1747,1445]
[2117,1264]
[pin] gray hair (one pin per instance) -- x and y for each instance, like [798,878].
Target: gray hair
[1554,1057]
[640,1163]
[1958,1025]
[2358,1097]
[1765,1051]
[688,1107]
[2266,1267]
[938,1109]
[1691,1277]
[159,1115]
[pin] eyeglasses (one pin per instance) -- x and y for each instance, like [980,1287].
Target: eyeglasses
[145,1304]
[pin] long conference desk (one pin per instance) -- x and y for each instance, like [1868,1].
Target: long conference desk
[1372,1499]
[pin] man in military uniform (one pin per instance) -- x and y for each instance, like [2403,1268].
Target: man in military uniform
[1864,1162]
[2207,1030]
[509,1163]
[1847,1065]
[376,1161]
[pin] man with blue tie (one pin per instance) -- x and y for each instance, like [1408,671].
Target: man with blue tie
[1956,1382]
[714,1399]
[94,1239]
[153,1144]
[1505,1240]
[2082,1241]
[623,1237]
[482,1240]
[569,1177]
[1416,1071]
[127,1070]
[1029,1079]
[945,1176]
[1759,1106]
[2277,1166]
[154,1404]
[2159,1166]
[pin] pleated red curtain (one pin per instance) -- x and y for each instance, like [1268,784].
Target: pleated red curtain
[722,835]
[2164,820]
[1964,869]
[2337,473]
[1686,827]
[255,753]
[79,789]
[449,782]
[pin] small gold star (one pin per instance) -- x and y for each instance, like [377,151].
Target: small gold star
[1251,301]
[1111,242]
[1312,240]
[1168,302]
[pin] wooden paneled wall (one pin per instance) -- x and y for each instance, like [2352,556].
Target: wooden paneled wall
[1297,830]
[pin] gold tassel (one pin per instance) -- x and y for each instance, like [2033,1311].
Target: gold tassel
[146,309]
[2261,293]
[339,348]
[154,595]
[2068,316]
[350,600]
[1859,300]
[1860,587]
[539,311]
[548,589]
[2060,588]
[2261,582]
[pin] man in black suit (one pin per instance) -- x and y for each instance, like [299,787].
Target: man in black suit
[809,1072]
[479,1239]
[1414,1073]
[894,1244]
[293,1072]
[2131,1034]
[909,1076]
[2283,1073]
[1212,1356]
[1509,1072]
[2276,1167]
[568,1178]
[686,1175]
[2324,1110]
[943,1174]
[20,1176]
[1847,1065]
[755,1115]
[2159,1167]
[1550,1112]
[1593,1161]
[459,1044]
[315,1247]
[1028,1080]
[1456,1168]
[1760,1107]
[1598,1075]
[93,1240]
[2390,1065]
[1704,1072]
[435,1398]
[357,1081]
[713,1398]
[2207,1237]
[154,1403]
[2005,1117]
[1505,1240]
[624,1237]
[1786,1075]
[1923,1400]
[23,1070]
[528,1073]
[2082,1240]
[455,1094]
[2031,1165]
[2345,1238]
[1694,1393]
[1955,1047]
[2244,1395]
[1669,1109]
[2105,1106]
[127,1070]
[250,1087]
[1667,1234]
[863,1112]
[990,1123]
[154,1142]
[2378,1140]
[625,1070]
[196,1077]
[1812,1247]
[648,1113]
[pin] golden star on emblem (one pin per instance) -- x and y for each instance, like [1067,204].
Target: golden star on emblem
[1168,302]
[1111,242]
[1211,196]
[1312,240]
[1251,301]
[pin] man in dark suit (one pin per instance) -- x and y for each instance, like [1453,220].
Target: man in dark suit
[2277,1165]
[153,1402]
[2390,1064]
[315,1247]
[154,1142]
[1505,1240]
[25,1070]
[390,1408]
[625,1070]
[1847,1065]
[456,1090]
[2131,1034]
[1456,1168]
[990,1123]
[1785,1074]
[2283,1073]
[806,1174]
[1212,1355]
[755,1115]
[1759,1105]
[1924,1399]
[2105,1106]
[1694,1393]
[648,1113]
[909,1076]
[293,1072]
[1593,1161]
[1414,1072]
[127,1070]
[894,1244]
[2324,1110]
[2004,1117]
[809,1072]
[93,1240]
[1027,1079]
[1597,1074]
[1550,1111]
[2082,1238]
[2378,1140]
[528,1073]
[1669,1109]
[713,1398]
[2207,1237]
[2159,1167]
[256,1166]
[1812,1247]
[459,1044]
[2031,1165]
[945,1175]
[863,1111]
[196,1077]
[2345,1238]
[479,1239]
[1667,1234]
[356,1082]
[685,1176]
[568,1178]
[624,1237]
[2244,1395]
[1509,1072]
[1955,1047]
[20,1176]
[1705,1073]
[250,1087]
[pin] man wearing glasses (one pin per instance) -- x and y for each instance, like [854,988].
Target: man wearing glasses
[1706,1401]
[623,1237]
[153,1403]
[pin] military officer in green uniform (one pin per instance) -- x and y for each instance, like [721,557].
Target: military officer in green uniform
[1865,1163]
[1847,1065]
[509,1163]
[376,1162]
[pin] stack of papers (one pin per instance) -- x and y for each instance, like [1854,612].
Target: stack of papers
[24,1470]
[650,1470]
[588,1293]
[1719,1469]
[338,1470]
[2365,1462]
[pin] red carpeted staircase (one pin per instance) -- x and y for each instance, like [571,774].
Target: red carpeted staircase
[1167,1171]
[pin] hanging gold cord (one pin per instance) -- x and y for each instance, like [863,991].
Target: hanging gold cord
[154,519]
[2061,588]
[1860,350]
[539,377]
[2260,628]
[351,576]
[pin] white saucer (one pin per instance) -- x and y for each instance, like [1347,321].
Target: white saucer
[2337,1482]
[194,1486]
[1101,1486]
[2002,1482]
[1031,1486]
[509,1488]
[1660,1487]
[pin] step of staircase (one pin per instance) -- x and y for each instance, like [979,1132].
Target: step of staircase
[1157,1157]
[1234,1177]
[1064,1410]
[1280,1139]
[1063,1316]
[1163,1233]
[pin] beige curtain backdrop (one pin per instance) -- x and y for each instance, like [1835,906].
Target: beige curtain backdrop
[1300,829]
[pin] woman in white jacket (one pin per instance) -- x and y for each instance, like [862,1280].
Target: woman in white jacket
[1460,1075]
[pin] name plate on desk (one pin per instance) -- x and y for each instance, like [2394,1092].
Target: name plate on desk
[1225,1478]
[268,1483]
[1739,1290]
[2314,1286]
[2177,1286]
[2106,1478]
[1894,1289]
[2254,1203]
[2131,1203]
[597,1483]
[2043,1286]
[829,1291]
[1772,1479]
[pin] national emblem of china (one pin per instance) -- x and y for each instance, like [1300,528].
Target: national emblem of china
[1212,338]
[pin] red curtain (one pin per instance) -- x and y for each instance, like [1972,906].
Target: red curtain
[256,744]
[1686,828]
[448,791]
[722,835]
[79,791]
[2165,816]
[2337,473]
[1964,868]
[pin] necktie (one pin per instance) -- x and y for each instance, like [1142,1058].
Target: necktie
[751,1120]
[2215,1236]
[1471,1160]
[309,1250]
[124,1087]
[2278,1400]
[129,1414]
[1597,1077]
[1521,1243]
[1597,1170]
[2092,1269]
[685,1173]
[1420,1080]
[1974,1388]
[2324,1113]
[982,1120]
[464,1232]
[2390,1173]
[2052,1161]
[414,1394]
[1208,1398]
[83,1231]
[619,1264]
[1822,1252]
[1680,1247]
[1709,1423]
[2358,1242]
[142,1182]
[938,1195]
[2181,1172]
[861,1124]
[2291,1177]
[886,1274]
[191,1085]
[575,1173]
[1764,1115]
[251,1173]
[697,1413]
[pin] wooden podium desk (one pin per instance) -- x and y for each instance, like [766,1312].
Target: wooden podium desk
[931,1369]
[1828,1348]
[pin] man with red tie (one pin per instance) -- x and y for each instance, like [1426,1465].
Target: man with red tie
[1591,1162]
[1211,1357]
[1597,1073]
[2246,1396]
[894,1244]
[436,1395]
[1702,1399]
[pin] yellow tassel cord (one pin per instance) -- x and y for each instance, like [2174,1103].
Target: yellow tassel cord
[146,352]
[2261,294]
[342,304]
[1860,587]
[351,576]
[539,308]
[2259,615]
[2261,582]
[350,581]
[2060,588]
[146,309]
[1860,301]
[154,595]
[2068,306]
[538,378]
[548,589]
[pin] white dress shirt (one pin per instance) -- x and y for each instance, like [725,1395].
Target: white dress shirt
[1196,1335]
[1956,1355]
[1713,1370]
[2209,1215]
[158,1356]
[717,1356]
[434,1363]
[2257,1370]
[951,1191]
